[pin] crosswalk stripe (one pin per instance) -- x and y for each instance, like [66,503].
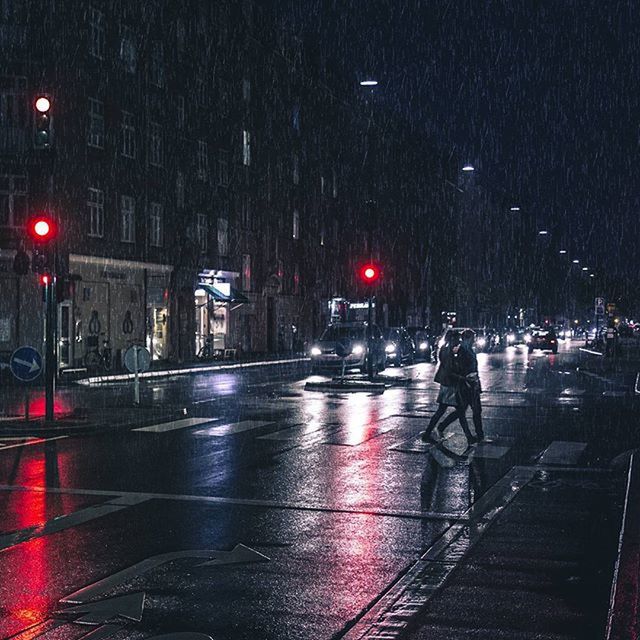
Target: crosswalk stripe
[174,425]
[233,428]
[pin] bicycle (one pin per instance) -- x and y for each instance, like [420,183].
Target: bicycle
[207,352]
[96,360]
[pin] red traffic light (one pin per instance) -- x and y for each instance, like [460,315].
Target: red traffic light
[42,229]
[369,273]
[42,104]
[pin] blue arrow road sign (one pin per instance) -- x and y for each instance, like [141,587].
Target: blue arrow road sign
[26,363]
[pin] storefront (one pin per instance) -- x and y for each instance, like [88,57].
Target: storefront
[216,304]
[122,301]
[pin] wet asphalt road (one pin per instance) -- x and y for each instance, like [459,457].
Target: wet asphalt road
[269,511]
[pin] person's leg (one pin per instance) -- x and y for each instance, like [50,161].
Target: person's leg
[452,417]
[462,418]
[476,409]
[440,411]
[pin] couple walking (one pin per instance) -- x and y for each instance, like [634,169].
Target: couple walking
[459,387]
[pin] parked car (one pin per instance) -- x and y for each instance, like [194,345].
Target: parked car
[543,339]
[423,342]
[348,341]
[399,346]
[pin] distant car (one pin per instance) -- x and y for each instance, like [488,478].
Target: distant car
[423,341]
[543,339]
[483,340]
[399,346]
[348,341]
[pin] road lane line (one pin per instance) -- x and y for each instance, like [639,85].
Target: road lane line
[185,423]
[31,442]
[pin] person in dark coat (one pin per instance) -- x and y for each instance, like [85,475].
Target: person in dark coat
[448,395]
[465,374]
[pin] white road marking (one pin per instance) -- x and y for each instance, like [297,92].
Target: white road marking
[232,428]
[28,442]
[175,424]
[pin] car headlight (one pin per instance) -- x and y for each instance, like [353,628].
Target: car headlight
[357,350]
[390,348]
[511,337]
[315,351]
[423,346]
[481,342]
[527,337]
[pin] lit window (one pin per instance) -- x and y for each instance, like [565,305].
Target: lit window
[246,148]
[296,224]
[246,272]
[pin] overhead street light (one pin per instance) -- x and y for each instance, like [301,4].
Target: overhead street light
[563,251]
[576,261]
[514,209]
[468,167]
[368,83]
[543,232]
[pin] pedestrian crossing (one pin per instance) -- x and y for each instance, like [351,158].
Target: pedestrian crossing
[174,425]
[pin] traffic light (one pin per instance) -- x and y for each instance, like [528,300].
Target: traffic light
[369,273]
[42,229]
[43,134]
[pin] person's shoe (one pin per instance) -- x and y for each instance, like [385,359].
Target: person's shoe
[441,431]
[426,436]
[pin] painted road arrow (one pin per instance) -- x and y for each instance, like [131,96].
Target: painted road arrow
[239,554]
[129,606]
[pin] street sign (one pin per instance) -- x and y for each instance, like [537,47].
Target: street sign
[144,359]
[599,306]
[26,363]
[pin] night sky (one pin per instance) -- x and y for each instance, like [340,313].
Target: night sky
[542,97]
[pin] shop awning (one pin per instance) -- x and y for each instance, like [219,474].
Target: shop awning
[220,296]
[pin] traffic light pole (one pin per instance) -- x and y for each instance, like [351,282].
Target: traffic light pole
[369,341]
[49,348]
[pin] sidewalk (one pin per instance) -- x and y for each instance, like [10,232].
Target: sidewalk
[533,558]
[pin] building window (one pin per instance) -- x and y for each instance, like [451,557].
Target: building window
[202,231]
[128,219]
[296,169]
[155,225]
[13,200]
[181,112]
[223,236]
[203,160]
[296,224]
[246,90]
[223,168]
[157,65]
[95,204]
[246,272]
[155,144]
[128,50]
[96,123]
[246,148]
[180,190]
[334,186]
[322,185]
[245,211]
[96,33]
[128,135]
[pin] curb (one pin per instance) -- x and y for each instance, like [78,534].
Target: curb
[625,590]
[166,373]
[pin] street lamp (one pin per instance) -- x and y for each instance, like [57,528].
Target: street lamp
[563,251]
[543,232]
[468,167]
[368,83]
[576,261]
[514,209]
